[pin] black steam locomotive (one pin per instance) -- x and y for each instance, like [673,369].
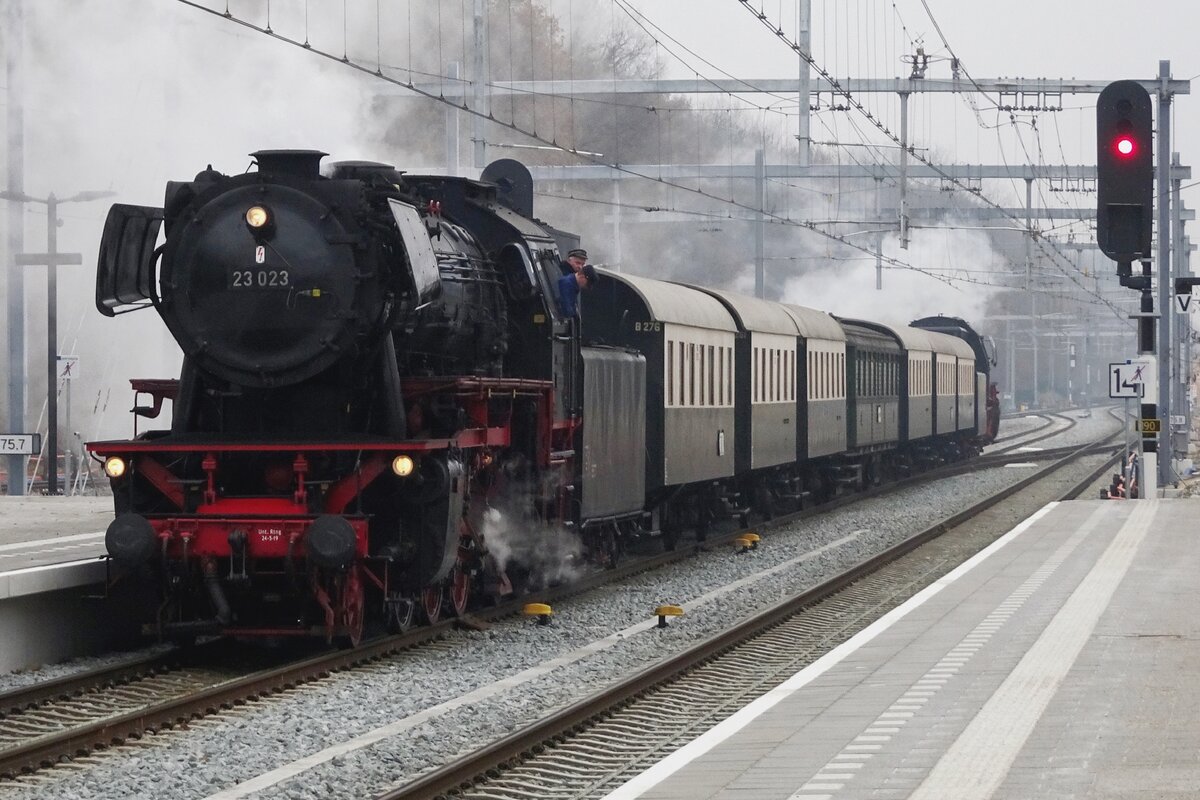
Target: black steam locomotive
[384,414]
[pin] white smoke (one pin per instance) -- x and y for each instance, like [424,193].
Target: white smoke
[847,288]
[550,553]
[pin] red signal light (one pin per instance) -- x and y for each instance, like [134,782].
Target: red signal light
[1125,146]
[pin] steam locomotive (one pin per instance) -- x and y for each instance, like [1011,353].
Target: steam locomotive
[383,414]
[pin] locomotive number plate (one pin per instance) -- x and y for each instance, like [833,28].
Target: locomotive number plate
[259,279]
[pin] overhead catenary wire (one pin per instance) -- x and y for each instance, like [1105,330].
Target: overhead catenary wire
[511,125]
[1053,256]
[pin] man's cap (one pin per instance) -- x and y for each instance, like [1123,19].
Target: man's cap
[577,253]
[589,272]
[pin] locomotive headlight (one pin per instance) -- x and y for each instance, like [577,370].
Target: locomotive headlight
[114,466]
[402,466]
[257,217]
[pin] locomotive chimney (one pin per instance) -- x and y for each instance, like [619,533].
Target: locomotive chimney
[296,163]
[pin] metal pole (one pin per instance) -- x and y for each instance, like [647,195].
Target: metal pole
[452,118]
[1028,234]
[52,346]
[1012,361]
[1186,325]
[804,40]
[1126,424]
[1087,366]
[904,170]
[760,191]
[1179,368]
[1033,328]
[15,38]
[69,450]
[616,217]
[1165,451]
[483,95]
[879,235]
[1053,367]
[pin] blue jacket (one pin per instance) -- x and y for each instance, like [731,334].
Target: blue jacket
[568,295]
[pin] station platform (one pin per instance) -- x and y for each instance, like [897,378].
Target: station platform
[53,601]
[49,543]
[1061,662]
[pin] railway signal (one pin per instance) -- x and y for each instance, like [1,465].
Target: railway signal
[1124,171]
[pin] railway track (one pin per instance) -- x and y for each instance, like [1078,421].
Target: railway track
[589,748]
[1005,437]
[1034,435]
[47,723]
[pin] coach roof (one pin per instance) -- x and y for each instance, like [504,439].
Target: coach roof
[814,324]
[674,302]
[759,316]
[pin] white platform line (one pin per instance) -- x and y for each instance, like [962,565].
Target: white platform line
[642,782]
[978,761]
[74,537]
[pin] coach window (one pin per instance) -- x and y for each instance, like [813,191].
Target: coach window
[691,374]
[767,376]
[770,375]
[769,371]
[818,385]
[789,370]
[721,375]
[789,366]
[765,370]
[792,375]
[681,375]
[670,373]
[782,374]
[729,376]
[756,374]
[774,374]
[762,370]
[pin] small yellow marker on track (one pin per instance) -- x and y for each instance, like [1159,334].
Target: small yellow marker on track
[540,610]
[667,611]
[754,539]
